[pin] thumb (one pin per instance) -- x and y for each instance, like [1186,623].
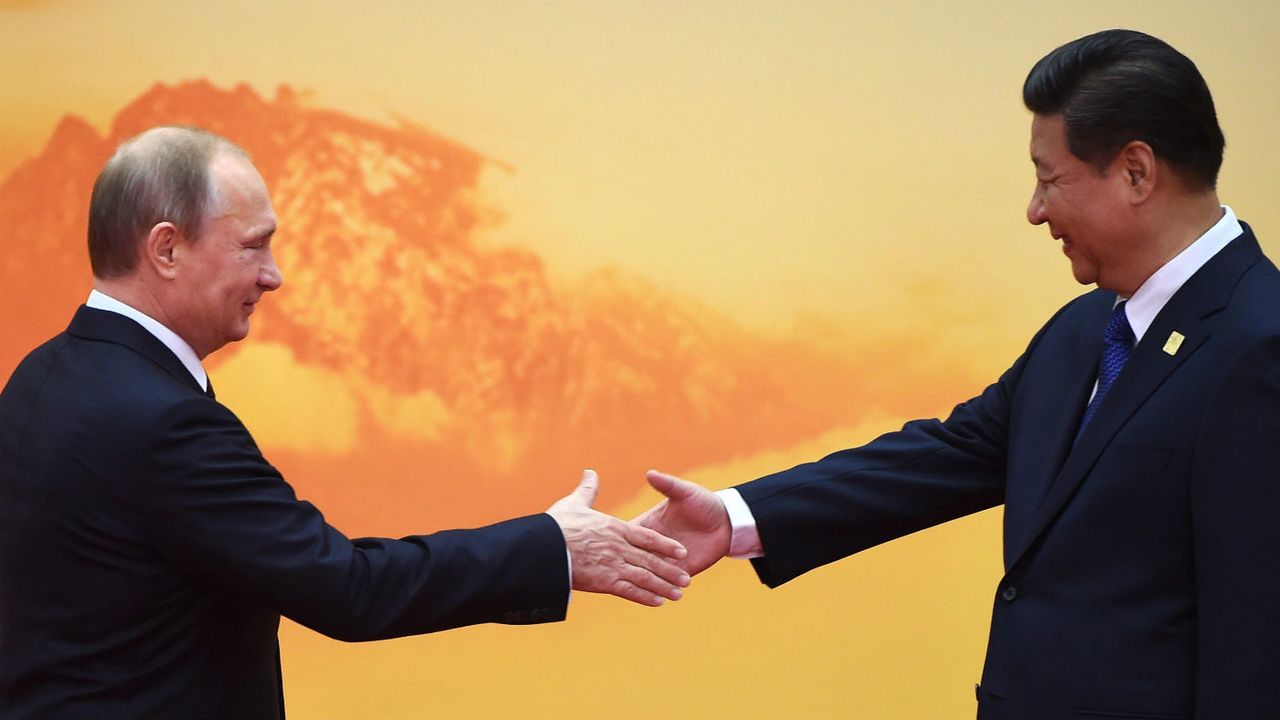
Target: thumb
[586,491]
[670,485]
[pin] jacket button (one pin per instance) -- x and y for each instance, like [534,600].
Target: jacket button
[1009,593]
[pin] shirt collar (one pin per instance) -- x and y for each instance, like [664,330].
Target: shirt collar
[179,347]
[1151,297]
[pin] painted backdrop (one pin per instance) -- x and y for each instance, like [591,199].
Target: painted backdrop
[717,238]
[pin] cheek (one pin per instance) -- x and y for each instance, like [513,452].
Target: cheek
[241,282]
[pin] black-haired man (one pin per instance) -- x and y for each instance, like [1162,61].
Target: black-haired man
[1133,445]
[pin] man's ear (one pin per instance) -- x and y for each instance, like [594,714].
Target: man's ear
[1138,169]
[159,249]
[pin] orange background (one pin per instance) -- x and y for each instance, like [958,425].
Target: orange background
[519,239]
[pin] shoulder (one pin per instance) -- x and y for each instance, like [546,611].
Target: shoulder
[1251,317]
[36,366]
[1081,318]
[1087,306]
[1255,281]
[106,394]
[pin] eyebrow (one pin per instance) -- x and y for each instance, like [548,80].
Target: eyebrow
[263,233]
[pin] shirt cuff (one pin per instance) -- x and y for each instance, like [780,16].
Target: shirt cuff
[568,556]
[745,540]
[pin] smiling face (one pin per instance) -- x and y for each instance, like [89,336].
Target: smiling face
[1086,209]
[222,274]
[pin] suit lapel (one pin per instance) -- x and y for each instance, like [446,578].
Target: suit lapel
[1075,385]
[106,326]
[1207,292]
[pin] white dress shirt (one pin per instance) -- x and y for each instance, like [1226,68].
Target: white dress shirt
[1145,303]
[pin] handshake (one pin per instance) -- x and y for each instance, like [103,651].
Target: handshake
[651,557]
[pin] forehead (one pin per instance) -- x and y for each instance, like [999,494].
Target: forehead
[239,190]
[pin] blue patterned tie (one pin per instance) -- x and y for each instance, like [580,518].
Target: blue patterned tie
[1117,344]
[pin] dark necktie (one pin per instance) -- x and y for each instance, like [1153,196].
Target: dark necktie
[1117,344]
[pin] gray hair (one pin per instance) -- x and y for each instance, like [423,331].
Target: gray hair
[160,175]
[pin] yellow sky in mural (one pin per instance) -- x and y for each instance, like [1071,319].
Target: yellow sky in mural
[818,161]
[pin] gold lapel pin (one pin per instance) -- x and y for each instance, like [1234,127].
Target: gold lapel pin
[1174,342]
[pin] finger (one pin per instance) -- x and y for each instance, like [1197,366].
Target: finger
[587,488]
[648,582]
[654,542]
[668,572]
[670,485]
[628,591]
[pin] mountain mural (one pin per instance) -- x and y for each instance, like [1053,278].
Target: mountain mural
[473,386]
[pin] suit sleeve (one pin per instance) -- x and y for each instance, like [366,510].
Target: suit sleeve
[928,472]
[1235,508]
[219,509]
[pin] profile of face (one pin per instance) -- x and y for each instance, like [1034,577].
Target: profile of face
[223,272]
[1085,208]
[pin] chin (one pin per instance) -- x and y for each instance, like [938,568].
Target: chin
[1084,278]
[238,334]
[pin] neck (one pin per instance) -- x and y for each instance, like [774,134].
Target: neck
[134,292]
[1187,220]
[1175,223]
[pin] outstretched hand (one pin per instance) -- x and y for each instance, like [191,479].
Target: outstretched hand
[694,516]
[615,557]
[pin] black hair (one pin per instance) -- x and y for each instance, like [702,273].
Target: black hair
[1116,86]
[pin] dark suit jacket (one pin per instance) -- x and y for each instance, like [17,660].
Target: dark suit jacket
[147,550]
[1141,569]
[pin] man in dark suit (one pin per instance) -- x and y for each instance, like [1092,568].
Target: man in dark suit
[148,550]
[1133,444]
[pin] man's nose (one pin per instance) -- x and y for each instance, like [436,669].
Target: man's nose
[1035,210]
[269,277]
